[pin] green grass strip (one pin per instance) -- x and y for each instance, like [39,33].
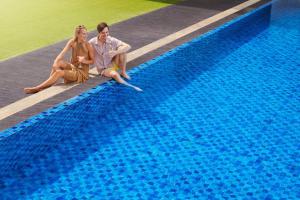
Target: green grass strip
[31,24]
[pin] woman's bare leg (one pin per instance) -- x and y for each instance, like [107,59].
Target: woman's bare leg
[59,65]
[49,82]
[121,61]
[115,75]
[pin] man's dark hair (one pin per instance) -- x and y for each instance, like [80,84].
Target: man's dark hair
[102,26]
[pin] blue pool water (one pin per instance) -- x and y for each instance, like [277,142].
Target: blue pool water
[218,119]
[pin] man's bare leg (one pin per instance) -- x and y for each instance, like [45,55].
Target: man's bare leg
[121,61]
[115,75]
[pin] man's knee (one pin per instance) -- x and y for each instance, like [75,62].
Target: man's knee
[122,56]
[120,59]
[114,75]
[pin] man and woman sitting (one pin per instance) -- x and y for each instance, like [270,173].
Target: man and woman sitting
[106,52]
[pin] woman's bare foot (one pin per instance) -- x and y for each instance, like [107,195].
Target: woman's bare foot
[31,90]
[125,75]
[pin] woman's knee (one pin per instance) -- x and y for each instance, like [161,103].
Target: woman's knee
[59,73]
[57,65]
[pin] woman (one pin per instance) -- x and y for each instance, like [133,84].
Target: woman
[75,71]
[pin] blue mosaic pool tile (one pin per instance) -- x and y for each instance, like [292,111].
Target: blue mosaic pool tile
[222,125]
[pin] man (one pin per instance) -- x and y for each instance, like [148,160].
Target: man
[110,55]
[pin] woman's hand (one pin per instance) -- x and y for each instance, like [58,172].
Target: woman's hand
[81,59]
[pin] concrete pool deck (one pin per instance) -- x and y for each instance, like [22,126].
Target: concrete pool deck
[143,33]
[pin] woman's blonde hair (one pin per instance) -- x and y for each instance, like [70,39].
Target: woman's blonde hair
[77,31]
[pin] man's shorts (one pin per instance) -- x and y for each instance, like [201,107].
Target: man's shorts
[114,67]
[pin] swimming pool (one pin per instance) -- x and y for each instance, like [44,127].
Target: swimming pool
[218,119]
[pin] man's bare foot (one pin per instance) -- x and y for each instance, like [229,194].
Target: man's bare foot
[125,75]
[31,90]
[137,89]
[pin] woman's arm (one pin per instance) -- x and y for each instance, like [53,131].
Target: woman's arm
[64,51]
[91,56]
